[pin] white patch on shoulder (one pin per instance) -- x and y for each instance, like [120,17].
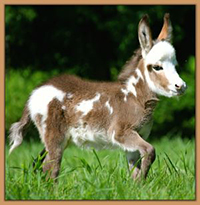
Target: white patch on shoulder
[125,94]
[107,104]
[139,74]
[69,95]
[86,106]
[41,97]
[131,83]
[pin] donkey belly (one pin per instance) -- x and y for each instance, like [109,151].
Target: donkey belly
[86,137]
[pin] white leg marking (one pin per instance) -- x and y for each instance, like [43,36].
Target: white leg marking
[125,94]
[131,83]
[87,105]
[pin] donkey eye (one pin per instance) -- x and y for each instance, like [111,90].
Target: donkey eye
[157,67]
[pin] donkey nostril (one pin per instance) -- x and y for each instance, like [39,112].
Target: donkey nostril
[177,86]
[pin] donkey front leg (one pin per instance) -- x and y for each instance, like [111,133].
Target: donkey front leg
[131,142]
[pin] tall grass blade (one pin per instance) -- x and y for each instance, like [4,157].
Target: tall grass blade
[184,163]
[171,163]
[167,166]
[38,162]
[97,158]
[85,164]
[135,165]
[158,159]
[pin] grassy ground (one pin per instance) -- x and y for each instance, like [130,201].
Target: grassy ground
[103,175]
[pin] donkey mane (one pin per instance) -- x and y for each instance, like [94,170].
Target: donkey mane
[129,68]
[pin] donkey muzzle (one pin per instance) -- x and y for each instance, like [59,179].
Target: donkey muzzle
[181,88]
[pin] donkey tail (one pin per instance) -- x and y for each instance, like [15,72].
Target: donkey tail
[17,129]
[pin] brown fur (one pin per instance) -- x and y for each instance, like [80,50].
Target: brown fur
[130,66]
[129,114]
[54,137]
[122,120]
[38,122]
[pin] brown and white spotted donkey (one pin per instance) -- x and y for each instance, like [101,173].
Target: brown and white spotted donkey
[67,109]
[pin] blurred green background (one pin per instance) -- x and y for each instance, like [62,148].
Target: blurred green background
[94,42]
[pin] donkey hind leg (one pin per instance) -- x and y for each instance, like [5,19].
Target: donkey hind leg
[131,141]
[54,145]
[52,160]
[38,120]
[55,139]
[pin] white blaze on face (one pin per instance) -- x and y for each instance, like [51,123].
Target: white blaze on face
[163,54]
[86,106]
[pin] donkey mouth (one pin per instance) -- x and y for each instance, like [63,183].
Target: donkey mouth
[180,91]
[177,91]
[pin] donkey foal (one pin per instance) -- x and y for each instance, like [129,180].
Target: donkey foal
[67,109]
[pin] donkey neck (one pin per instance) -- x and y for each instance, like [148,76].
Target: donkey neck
[135,86]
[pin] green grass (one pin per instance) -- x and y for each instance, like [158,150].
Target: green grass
[103,175]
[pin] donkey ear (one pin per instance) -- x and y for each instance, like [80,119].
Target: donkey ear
[144,35]
[166,32]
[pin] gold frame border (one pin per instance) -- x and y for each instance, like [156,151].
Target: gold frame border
[93,2]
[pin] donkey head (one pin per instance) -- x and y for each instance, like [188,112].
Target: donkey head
[160,59]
